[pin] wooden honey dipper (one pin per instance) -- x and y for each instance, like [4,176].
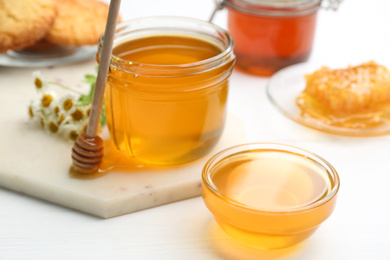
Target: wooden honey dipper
[87,152]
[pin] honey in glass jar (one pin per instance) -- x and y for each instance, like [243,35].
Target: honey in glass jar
[167,88]
[271,34]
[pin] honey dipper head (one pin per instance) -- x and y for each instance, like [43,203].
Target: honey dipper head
[87,154]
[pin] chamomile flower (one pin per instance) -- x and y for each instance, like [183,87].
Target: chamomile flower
[39,81]
[65,116]
[33,109]
[46,100]
[83,127]
[81,112]
[61,119]
[73,135]
[77,115]
[67,103]
[53,127]
[57,111]
[72,131]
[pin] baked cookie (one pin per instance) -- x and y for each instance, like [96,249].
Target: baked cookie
[78,22]
[22,23]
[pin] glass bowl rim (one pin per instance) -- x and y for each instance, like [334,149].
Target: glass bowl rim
[281,148]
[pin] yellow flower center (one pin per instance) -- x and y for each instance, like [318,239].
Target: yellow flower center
[31,112]
[84,129]
[77,115]
[38,83]
[68,104]
[46,100]
[53,127]
[73,135]
[57,110]
[62,118]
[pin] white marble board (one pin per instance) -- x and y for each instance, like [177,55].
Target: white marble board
[37,164]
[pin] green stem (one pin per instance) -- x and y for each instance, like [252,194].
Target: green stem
[65,87]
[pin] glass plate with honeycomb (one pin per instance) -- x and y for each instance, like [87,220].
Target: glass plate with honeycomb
[287,85]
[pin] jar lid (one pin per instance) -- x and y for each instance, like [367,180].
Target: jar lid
[278,3]
[276,7]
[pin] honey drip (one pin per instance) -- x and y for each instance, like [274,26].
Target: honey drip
[113,161]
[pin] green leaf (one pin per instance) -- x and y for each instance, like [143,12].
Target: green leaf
[85,100]
[90,79]
[103,119]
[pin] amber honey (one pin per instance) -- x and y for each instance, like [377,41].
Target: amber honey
[271,35]
[167,50]
[166,93]
[267,197]
[273,43]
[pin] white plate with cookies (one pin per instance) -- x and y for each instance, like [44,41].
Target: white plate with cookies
[49,32]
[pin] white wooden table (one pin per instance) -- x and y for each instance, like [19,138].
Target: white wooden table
[358,229]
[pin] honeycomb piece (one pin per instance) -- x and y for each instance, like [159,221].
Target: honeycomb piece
[354,97]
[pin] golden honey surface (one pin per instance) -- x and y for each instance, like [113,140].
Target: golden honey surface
[271,181]
[166,50]
[354,97]
[264,192]
[166,117]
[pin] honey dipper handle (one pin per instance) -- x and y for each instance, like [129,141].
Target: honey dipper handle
[104,65]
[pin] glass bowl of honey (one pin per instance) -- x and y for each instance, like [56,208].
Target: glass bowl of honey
[271,34]
[269,195]
[167,88]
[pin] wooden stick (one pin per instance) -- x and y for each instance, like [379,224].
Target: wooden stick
[104,66]
[87,152]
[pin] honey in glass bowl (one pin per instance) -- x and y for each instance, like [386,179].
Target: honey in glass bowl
[167,88]
[269,195]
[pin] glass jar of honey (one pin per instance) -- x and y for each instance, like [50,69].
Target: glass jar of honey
[167,88]
[272,34]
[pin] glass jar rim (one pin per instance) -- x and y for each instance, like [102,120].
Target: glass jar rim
[274,8]
[217,158]
[178,23]
[279,3]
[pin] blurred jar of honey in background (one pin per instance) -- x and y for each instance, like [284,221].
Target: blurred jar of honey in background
[167,88]
[271,34]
